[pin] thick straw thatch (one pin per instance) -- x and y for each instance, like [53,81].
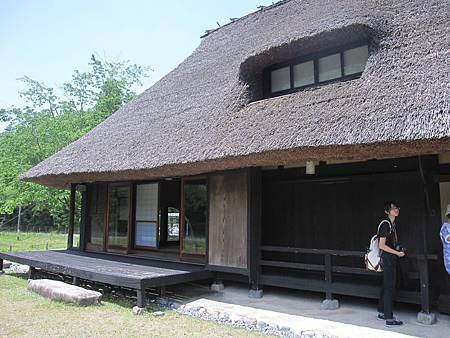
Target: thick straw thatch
[205,114]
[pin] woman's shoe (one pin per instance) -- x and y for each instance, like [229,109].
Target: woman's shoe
[393,322]
[380,316]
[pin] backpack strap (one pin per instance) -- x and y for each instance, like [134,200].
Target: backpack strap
[379,226]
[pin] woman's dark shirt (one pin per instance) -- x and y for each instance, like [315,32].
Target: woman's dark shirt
[387,229]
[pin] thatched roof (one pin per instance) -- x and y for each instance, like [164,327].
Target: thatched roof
[205,114]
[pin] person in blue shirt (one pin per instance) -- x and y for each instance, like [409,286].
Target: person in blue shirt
[445,238]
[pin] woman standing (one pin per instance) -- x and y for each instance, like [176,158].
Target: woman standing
[388,240]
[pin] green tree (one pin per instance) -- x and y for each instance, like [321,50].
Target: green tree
[49,122]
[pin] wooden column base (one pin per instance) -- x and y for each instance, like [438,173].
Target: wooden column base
[31,272]
[140,295]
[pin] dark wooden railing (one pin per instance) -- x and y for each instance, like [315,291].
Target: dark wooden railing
[328,268]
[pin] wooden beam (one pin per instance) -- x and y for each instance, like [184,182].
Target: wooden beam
[227,269]
[424,285]
[84,214]
[328,280]
[71,216]
[341,288]
[140,295]
[31,272]
[312,251]
[254,192]
[317,267]
[343,253]
[293,265]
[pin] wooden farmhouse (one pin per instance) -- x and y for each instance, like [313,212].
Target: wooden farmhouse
[266,157]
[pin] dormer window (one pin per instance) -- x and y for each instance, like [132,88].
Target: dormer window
[336,65]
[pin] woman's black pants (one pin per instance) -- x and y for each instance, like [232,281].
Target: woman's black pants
[389,264]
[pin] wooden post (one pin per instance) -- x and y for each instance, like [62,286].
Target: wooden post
[424,284]
[84,206]
[423,260]
[31,272]
[71,216]
[254,191]
[75,280]
[162,291]
[18,223]
[140,295]
[328,294]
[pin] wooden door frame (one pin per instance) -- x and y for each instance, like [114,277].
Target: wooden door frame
[133,245]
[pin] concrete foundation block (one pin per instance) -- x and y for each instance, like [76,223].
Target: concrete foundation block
[59,291]
[138,311]
[329,304]
[426,318]
[217,286]
[255,293]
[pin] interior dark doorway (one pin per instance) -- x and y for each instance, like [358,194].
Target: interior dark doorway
[170,205]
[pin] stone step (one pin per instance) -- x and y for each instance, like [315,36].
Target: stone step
[60,291]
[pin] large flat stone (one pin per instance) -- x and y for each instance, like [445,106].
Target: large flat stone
[56,290]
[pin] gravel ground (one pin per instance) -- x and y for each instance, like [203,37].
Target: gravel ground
[18,268]
[247,323]
[218,317]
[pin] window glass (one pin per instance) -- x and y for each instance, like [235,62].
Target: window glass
[118,197]
[330,67]
[304,74]
[146,214]
[280,79]
[355,60]
[97,209]
[195,220]
[77,215]
[173,224]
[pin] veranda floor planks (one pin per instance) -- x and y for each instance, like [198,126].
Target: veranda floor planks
[123,271]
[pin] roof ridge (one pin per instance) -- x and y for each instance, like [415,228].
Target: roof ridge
[234,20]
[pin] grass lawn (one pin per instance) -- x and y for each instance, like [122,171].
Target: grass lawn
[25,314]
[31,241]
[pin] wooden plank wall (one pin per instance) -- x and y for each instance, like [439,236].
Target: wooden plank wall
[343,212]
[228,220]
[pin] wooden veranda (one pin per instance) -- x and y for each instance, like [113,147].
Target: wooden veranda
[131,272]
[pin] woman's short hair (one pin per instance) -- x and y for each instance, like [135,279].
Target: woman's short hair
[388,205]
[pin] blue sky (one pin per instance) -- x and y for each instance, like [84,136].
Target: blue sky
[47,39]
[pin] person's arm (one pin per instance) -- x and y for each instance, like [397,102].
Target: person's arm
[382,245]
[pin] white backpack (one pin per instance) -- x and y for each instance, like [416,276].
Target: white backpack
[372,257]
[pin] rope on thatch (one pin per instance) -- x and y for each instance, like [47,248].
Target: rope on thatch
[260,8]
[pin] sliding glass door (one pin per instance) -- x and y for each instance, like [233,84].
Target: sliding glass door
[118,216]
[194,217]
[147,220]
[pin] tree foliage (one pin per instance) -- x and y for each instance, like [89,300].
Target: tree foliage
[49,122]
